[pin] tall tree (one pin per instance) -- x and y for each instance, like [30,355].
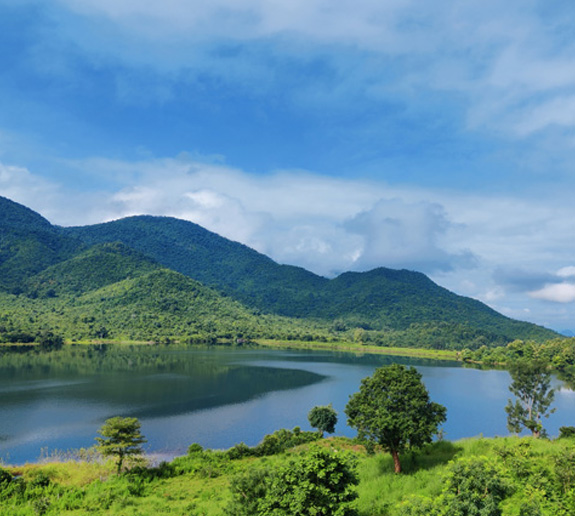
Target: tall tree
[324,418]
[121,438]
[531,385]
[392,409]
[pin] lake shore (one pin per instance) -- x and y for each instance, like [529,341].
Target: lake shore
[352,347]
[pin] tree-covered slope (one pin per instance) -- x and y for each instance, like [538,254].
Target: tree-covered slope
[28,244]
[231,267]
[158,304]
[378,299]
[98,266]
[106,266]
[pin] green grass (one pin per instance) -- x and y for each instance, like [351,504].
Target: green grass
[199,484]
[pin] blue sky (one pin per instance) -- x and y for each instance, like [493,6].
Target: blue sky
[335,135]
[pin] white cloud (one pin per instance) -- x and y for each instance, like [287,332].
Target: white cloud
[558,293]
[19,185]
[566,272]
[405,235]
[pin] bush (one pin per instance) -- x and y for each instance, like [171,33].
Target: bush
[5,478]
[318,482]
[566,432]
[195,448]
[239,451]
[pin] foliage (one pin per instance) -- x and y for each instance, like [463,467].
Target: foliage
[566,432]
[473,487]
[5,477]
[531,387]
[273,444]
[392,409]
[248,490]
[318,482]
[508,476]
[121,439]
[324,418]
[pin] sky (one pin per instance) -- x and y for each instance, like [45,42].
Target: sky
[330,134]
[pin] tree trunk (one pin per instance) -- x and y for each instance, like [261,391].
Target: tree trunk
[396,463]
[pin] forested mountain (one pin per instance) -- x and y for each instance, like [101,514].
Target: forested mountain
[28,244]
[378,299]
[146,277]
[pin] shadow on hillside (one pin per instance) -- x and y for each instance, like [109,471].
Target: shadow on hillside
[433,455]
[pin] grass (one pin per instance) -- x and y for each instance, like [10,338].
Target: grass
[78,487]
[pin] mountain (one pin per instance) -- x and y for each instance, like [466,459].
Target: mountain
[379,299]
[230,267]
[148,277]
[28,244]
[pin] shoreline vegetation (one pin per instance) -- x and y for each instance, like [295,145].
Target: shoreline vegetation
[513,474]
[558,353]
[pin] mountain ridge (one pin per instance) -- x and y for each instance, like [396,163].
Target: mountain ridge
[81,259]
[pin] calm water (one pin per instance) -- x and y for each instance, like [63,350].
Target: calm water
[221,397]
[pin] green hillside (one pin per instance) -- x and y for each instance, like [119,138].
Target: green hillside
[160,278]
[28,244]
[160,306]
[231,267]
[379,299]
[92,269]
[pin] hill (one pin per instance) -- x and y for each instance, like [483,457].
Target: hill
[28,244]
[159,277]
[375,300]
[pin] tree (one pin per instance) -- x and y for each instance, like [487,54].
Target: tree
[121,438]
[392,409]
[531,386]
[324,418]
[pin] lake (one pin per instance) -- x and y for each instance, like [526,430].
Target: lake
[220,396]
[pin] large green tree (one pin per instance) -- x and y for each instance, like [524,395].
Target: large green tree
[531,385]
[392,409]
[324,418]
[121,438]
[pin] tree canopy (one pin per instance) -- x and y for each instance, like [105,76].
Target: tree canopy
[121,438]
[324,418]
[392,409]
[534,396]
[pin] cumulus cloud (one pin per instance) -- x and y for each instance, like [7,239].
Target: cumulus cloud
[404,235]
[520,280]
[557,293]
[566,272]
[18,184]
[546,286]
